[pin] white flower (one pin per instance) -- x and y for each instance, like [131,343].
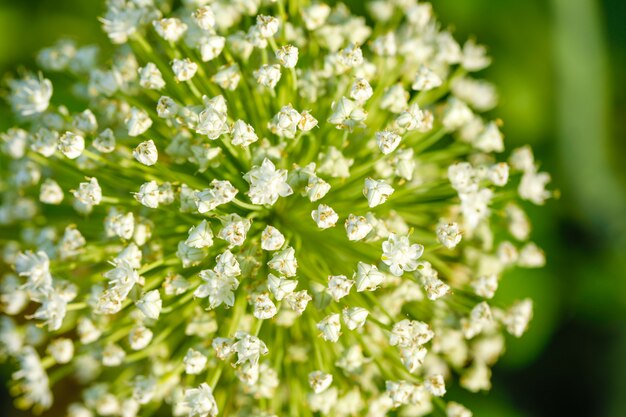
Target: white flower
[351,56]
[284,262]
[480,94]
[144,389]
[184,69]
[249,348]
[234,230]
[335,164]
[52,310]
[280,287]
[227,77]
[518,316]
[434,287]
[403,392]
[32,379]
[498,174]
[347,114]
[413,357]
[532,187]
[122,278]
[204,17]
[357,227]
[167,108]
[227,264]
[61,349]
[522,159]
[435,385]
[323,402]
[264,308]
[457,115]
[475,206]
[268,25]
[175,284]
[87,331]
[85,122]
[426,79]
[315,15]
[354,317]
[395,99]
[36,267]
[150,304]
[486,285]
[138,122]
[330,326]
[71,244]
[298,301]
[267,183]
[121,21]
[387,141]
[400,255]
[324,216]
[479,318]
[287,56]
[410,333]
[320,381]
[89,193]
[148,194]
[316,188]
[200,236]
[194,362]
[413,118]
[170,29]
[449,234]
[307,121]
[454,409]
[490,139]
[285,122]
[476,377]
[30,95]
[146,153]
[139,337]
[339,286]
[267,75]
[367,277]
[361,90]
[218,287]
[474,56]
[223,347]
[200,401]
[44,142]
[50,192]
[221,192]
[150,77]
[376,191]
[121,225]
[463,177]
[271,239]
[243,134]
[385,45]
[71,145]
[531,256]
[211,47]
[105,142]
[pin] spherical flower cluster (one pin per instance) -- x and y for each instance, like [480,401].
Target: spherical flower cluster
[260,208]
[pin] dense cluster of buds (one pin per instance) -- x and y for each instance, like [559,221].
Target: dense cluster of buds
[260,208]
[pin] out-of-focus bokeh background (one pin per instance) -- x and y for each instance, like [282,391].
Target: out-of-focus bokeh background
[559,66]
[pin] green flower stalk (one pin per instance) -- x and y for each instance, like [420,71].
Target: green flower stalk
[260,208]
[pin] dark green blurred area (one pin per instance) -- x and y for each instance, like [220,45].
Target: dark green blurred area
[560,68]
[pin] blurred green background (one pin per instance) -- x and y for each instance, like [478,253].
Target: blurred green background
[560,69]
